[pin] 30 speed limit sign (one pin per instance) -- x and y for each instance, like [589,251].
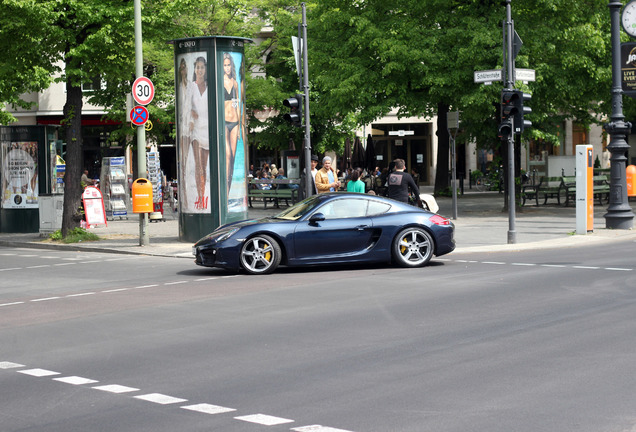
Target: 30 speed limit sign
[143,91]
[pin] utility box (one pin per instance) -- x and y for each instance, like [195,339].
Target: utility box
[142,196]
[51,208]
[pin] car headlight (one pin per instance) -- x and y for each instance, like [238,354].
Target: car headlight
[219,237]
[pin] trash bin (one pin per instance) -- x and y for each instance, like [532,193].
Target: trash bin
[142,196]
[631,180]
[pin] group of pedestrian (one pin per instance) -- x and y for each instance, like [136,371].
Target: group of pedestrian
[400,185]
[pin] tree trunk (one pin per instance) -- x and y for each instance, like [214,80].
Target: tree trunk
[443,148]
[73,133]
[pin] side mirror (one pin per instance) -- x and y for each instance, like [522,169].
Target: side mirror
[316,217]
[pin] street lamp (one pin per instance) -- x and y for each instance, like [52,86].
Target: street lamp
[619,214]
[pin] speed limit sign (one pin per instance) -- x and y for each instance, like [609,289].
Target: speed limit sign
[143,91]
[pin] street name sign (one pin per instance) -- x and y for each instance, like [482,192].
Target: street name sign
[525,75]
[488,76]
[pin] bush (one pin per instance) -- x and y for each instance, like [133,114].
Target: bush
[76,235]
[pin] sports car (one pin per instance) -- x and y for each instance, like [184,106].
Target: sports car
[330,228]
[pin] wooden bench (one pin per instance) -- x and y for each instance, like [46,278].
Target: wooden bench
[601,188]
[275,194]
[549,187]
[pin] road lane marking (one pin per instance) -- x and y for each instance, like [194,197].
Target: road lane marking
[317,428]
[161,399]
[208,408]
[585,267]
[80,294]
[116,388]
[617,269]
[45,299]
[12,304]
[10,365]
[263,419]
[75,380]
[145,286]
[115,290]
[38,372]
[176,283]
[39,266]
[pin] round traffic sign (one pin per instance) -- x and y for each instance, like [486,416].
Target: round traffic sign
[139,115]
[143,91]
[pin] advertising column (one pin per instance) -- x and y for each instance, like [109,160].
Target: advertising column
[211,133]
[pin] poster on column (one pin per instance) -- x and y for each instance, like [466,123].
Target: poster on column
[194,133]
[234,130]
[19,175]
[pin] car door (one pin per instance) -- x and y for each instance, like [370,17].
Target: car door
[339,230]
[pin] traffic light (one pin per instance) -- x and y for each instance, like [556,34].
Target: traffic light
[504,131]
[522,110]
[295,104]
[512,108]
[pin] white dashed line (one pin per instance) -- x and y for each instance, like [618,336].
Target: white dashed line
[263,419]
[494,262]
[175,283]
[160,398]
[145,286]
[116,290]
[80,294]
[39,266]
[553,265]
[585,267]
[12,304]
[45,299]
[75,380]
[617,269]
[524,264]
[38,372]
[13,268]
[64,264]
[208,408]
[116,388]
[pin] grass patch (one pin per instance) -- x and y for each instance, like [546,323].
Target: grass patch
[76,235]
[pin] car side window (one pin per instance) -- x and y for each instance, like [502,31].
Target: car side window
[376,208]
[344,208]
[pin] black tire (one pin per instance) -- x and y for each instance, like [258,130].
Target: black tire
[413,247]
[260,255]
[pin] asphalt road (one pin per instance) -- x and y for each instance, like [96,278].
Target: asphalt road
[524,341]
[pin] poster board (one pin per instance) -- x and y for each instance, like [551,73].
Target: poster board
[93,206]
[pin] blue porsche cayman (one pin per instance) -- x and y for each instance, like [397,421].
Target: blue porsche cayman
[331,228]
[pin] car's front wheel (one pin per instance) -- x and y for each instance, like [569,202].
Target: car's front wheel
[260,255]
[413,247]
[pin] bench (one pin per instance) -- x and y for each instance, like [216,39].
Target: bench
[275,194]
[601,188]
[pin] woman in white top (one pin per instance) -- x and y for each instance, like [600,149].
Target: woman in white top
[185,114]
[200,132]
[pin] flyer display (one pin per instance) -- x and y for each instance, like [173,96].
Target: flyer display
[93,206]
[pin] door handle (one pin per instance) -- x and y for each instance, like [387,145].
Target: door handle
[362,227]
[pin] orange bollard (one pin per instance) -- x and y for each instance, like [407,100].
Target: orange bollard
[631,180]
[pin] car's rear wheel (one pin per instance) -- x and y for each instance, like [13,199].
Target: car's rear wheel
[413,247]
[260,255]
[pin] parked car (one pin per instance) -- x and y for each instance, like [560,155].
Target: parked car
[330,228]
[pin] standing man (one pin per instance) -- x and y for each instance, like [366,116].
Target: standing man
[326,177]
[400,183]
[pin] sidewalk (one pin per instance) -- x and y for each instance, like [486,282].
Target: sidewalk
[481,225]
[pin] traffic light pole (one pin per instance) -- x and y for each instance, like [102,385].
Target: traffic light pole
[510,82]
[307,140]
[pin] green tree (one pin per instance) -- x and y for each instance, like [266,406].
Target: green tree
[420,56]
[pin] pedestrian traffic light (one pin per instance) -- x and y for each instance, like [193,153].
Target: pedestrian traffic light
[508,107]
[504,131]
[295,104]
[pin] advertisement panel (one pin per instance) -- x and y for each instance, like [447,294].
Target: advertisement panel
[20,175]
[628,68]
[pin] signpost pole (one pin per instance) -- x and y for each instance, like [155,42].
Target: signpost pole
[141,130]
[509,80]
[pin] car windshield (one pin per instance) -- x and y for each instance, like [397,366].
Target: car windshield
[301,209]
